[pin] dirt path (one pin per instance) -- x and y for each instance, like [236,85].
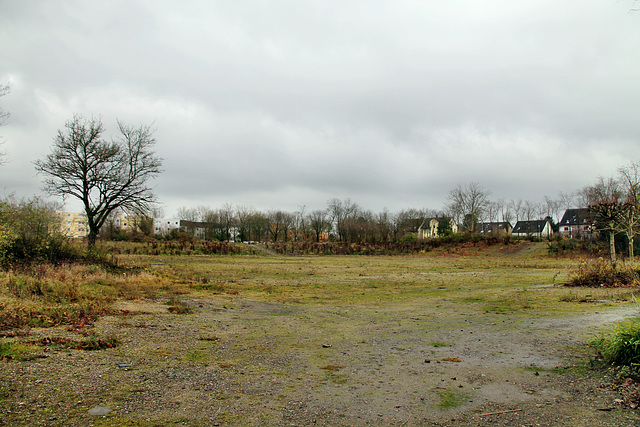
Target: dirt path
[244,362]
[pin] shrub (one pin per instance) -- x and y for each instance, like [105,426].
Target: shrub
[566,247]
[603,274]
[621,347]
[28,233]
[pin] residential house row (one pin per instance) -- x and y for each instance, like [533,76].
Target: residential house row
[575,223]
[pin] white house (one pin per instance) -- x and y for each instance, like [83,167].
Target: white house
[539,228]
[429,227]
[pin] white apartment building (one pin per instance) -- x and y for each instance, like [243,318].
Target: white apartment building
[163,226]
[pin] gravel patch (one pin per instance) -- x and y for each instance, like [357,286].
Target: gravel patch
[243,362]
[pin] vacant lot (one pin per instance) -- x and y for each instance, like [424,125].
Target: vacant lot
[435,339]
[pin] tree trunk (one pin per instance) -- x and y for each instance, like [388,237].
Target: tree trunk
[630,238]
[612,246]
[91,239]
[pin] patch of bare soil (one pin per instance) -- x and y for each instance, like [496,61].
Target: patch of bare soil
[244,362]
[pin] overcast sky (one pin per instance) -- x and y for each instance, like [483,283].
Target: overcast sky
[283,103]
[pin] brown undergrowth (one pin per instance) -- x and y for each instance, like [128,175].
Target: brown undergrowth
[73,296]
[600,273]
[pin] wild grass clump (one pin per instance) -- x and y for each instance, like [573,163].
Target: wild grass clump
[620,348]
[567,247]
[16,351]
[451,398]
[48,295]
[600,273]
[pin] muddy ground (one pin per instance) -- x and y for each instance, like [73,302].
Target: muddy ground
[236,361]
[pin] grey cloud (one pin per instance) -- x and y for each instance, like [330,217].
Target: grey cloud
[389,103]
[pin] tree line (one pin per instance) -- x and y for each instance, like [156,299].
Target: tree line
[346,221]
[112,174]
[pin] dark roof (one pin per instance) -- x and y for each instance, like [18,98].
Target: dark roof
[489,227]
[530,226]
[576,217]
[437,218]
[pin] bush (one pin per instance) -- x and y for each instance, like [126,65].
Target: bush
[564,246]
[622,347]
[602,274]
[29,233]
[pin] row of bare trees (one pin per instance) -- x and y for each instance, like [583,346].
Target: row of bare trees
[346,221]
[342,220]
[614,202]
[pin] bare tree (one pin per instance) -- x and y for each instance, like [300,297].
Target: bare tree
[516,208]
[4,115]
[360,227]
[189,214]
[227,221]
[279,225]
[103,175]
[340,211]
[157,212]
[528,210]
[493,209]
[566,200]
[384,225]
[628,219]
[258,226]
[629,179]
[243,217]
[551,208]
[318,222]
[468,204]
[630,215]
[506,213]
[603,191]
[300,224]
[603,200]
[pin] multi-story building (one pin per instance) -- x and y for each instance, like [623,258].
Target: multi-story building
[163,226]
[128,223]
[73,224]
